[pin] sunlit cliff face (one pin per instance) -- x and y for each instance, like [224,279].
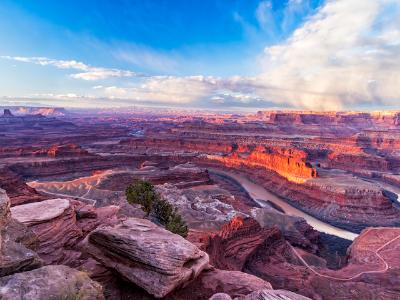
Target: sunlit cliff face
[236,223]
[290,164]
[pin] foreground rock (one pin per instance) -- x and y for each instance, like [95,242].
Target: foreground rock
[372,270]
[295,229]
[39,212]
[54,223]
[263,295]
[4,210]
[235,244]
[212,281]
[14,257]
[147,255]
[60,225]
[274,295]
[50,282]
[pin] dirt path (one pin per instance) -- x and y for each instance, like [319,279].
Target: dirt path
[68,196]
[382,270]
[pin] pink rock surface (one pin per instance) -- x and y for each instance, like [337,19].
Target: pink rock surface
[147,255]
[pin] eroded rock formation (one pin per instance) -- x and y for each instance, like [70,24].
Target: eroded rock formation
[147,255]
[50,282]
[290,164]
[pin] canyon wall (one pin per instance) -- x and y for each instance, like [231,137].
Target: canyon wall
[288,163]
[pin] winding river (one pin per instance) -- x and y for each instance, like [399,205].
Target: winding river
[261,196]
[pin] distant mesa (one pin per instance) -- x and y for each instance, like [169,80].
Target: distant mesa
[44,111]
[7,113]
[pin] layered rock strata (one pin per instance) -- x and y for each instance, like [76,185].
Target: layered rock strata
[50,282]
[147,255]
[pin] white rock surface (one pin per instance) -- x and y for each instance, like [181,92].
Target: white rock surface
[39,212]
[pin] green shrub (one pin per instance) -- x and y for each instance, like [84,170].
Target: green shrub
[163,210]
[169,216]
[142,192]
[177,225]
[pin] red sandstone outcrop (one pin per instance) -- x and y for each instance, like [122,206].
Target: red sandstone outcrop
[54,223]
[263,295]
[236,241]
[67,166]
[147,255]
[358,119]
[212,281]
[66,151]
[295,229]
[18,191]
[58,229]
[340,199]
[273,295]
[288,163]
[371,273]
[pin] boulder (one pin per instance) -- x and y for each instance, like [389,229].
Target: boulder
[231,247]
[295,229]
[220,296]
[54,223]
[4,210]
[273,295]
[263,295]
[50,282]
[147,255]
[40,212]
[211,281]
[20,233]
[16,257]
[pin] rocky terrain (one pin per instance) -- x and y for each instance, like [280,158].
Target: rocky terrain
[279,205]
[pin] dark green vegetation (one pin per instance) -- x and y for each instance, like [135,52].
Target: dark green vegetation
[143,193]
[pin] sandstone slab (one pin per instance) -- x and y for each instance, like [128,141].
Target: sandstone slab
[54,223]
[4,209]
[273,295]
[39,212]
[147,255]
[263,295]
[50,282]
[212,281]
[15,257]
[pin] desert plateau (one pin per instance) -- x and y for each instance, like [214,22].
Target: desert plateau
[200,150]
[302,204]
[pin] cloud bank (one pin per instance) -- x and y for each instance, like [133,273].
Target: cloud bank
[89,72]
[346,55]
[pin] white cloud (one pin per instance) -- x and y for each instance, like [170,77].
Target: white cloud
[166,89]
[346,54]
[89,72]
[264,14]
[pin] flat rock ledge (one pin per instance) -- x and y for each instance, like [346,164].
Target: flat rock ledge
[263,295]
[50,282]
[147,255]
[39,212]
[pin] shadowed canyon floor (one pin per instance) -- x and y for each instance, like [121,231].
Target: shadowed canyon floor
[291,201]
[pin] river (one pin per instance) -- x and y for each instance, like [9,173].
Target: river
[261,195]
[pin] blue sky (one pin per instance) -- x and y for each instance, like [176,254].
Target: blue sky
[212,54]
